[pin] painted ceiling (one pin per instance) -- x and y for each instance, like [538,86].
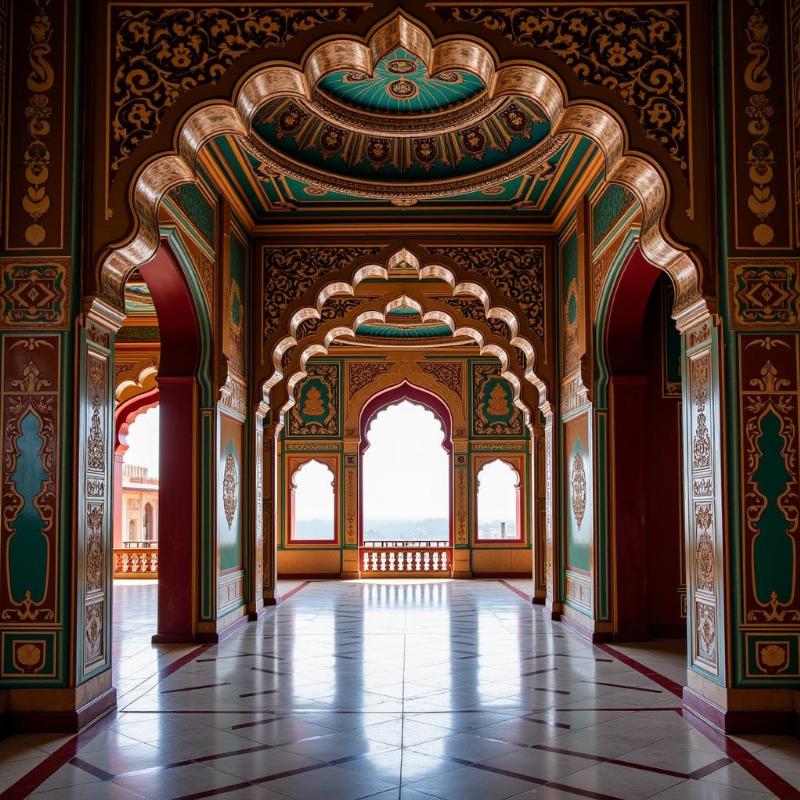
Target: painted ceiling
[138,302]
[400,137]
[401,84]
[270,197]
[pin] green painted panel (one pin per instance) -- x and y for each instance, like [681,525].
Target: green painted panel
[28,546]
[196,207]
[569,267]
[773,547]
[611,205]
[230,493]
[579,508]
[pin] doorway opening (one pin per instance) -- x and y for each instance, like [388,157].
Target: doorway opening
[406,486]
[644,400]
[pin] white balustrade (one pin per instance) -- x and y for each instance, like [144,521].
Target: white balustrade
[399,559]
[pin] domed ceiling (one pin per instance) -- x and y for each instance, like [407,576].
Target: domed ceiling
[400,137]
[400,85]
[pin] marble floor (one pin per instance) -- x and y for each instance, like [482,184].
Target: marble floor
[395,690]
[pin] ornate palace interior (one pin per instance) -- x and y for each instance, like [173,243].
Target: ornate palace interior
[466,341]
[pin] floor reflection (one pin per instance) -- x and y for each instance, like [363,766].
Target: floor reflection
[458,690]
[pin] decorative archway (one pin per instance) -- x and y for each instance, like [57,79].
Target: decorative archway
[640,173]
[182,353]
[428,400]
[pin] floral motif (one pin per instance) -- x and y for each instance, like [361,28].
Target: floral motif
[448,373]
[38,111]
[95,447]
[636,51]
[230,486]
[362,373]
[701,445]
[759,110]
[94,547]
[517,272]
[289,272]
[161,53]
[315,410]
[704,556]
[706,620]
[493,412]
[577,483]
[93,634]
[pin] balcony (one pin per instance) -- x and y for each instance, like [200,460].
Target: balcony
[136,560]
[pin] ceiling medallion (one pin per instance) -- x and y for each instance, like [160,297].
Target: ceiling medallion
[402,89]
[450,77]
[354,77]
[401,66]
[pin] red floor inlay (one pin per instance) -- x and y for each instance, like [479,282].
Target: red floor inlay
[49,766]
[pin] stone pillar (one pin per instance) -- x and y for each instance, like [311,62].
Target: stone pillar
[706,546]
[256,560]
[93,693]
[271,504]
[539,515]
[463,532]
[350,511]
[552,560]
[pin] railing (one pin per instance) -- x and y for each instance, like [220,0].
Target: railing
[406,559]
[130,562]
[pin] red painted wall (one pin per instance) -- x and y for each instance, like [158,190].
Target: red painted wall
[662,487]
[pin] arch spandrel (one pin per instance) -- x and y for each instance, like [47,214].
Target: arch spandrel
[404,372]
[160,170]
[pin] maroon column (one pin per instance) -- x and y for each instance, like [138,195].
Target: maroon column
[177,518]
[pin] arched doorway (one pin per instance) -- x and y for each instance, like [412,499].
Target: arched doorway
[642,351]
[177,399]
[394,534]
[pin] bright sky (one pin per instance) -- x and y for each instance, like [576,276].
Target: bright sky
[497,493]
[313,496]
[143,442]
[405,467]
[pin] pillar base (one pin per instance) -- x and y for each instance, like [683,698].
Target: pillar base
[743,720]
[21,718]
[173,638]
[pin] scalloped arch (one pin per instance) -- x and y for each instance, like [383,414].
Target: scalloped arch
[317,344]
[460,326]
[638,172]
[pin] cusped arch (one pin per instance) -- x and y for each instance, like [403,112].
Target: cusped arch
[640,173]
[317,344]
[424,267]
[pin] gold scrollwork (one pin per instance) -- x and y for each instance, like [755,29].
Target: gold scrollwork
[38,110]
[760,157]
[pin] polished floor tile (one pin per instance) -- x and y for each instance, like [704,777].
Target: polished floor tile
[397,690]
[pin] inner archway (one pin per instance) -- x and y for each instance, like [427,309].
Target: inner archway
[644,399]
[406,470]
